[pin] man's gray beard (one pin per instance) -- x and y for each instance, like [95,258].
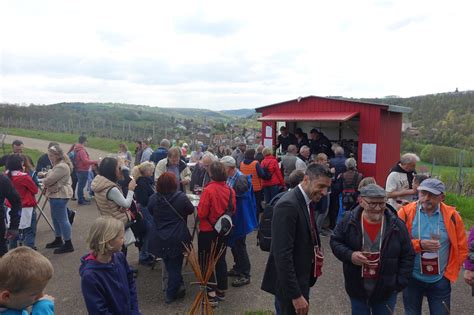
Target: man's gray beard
[375,217]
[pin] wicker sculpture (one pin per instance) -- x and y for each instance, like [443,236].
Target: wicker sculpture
[203,267]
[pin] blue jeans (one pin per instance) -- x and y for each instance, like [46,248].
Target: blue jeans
[62,227]
[270,192]
[82,177]
[175,278]
[277,306]
[90,178]
[438,295]
[361,307]
[143,255]
[28,235]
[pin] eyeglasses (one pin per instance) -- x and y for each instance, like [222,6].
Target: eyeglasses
[374,205]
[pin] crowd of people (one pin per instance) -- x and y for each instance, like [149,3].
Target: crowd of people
[403,238]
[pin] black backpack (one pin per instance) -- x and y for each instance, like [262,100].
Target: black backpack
[266,172]
[349,194]
[264,235]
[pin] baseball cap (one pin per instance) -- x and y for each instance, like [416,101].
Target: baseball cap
[228,161]
[432,185]
[373,190]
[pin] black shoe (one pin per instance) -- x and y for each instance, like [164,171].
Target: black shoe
[66,248]
[220,295]
[181,294]
[73,198]
[58,242]
[213,300]
[169,300]
[150,261]
[241,281]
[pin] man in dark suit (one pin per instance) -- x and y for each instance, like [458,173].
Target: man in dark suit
[290,270]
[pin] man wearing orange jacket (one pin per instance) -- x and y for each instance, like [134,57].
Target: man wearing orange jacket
[439,239]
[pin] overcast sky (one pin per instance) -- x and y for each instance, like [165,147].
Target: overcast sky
[231,54]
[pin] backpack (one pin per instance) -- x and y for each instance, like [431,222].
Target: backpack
[72,156]
[266,173]
[349,195]
[264,234]
[223,225]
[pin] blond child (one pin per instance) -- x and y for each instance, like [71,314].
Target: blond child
[24,273]
[107,283]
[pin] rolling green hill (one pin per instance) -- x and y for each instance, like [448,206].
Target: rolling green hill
[114,121]
[445,119]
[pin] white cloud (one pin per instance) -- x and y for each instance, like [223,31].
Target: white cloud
[220,54]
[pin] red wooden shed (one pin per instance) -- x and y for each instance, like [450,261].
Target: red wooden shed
[371,131]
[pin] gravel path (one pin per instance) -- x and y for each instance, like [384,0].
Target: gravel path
[327,297]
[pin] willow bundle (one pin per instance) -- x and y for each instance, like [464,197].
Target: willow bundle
[203,269]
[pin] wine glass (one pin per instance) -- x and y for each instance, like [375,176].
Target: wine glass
[435,235]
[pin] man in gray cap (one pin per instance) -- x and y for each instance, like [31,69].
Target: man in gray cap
[244,221]
[375,248]
[439,239]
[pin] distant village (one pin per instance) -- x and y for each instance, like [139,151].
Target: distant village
[211,136]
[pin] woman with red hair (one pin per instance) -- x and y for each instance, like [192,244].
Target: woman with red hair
[213,204]
[170,209]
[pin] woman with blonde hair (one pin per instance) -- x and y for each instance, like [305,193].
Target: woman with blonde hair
[107,282]
[143,175]
[125,154]
[271,186]
[58,189]
[321,158]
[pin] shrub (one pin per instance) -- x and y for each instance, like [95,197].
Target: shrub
[446,155]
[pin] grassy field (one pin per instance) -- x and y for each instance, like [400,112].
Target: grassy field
[465,206]
[108,145]
[441,170]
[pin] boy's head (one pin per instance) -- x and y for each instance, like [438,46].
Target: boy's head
[105,236]
[24,273]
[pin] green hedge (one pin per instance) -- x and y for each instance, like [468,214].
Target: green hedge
[443,155]
[446,155]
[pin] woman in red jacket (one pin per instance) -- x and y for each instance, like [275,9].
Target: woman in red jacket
[213,203]
[27,190]
[272,186]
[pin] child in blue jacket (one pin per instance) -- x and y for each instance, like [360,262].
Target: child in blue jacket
[107,282]
[24,273]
